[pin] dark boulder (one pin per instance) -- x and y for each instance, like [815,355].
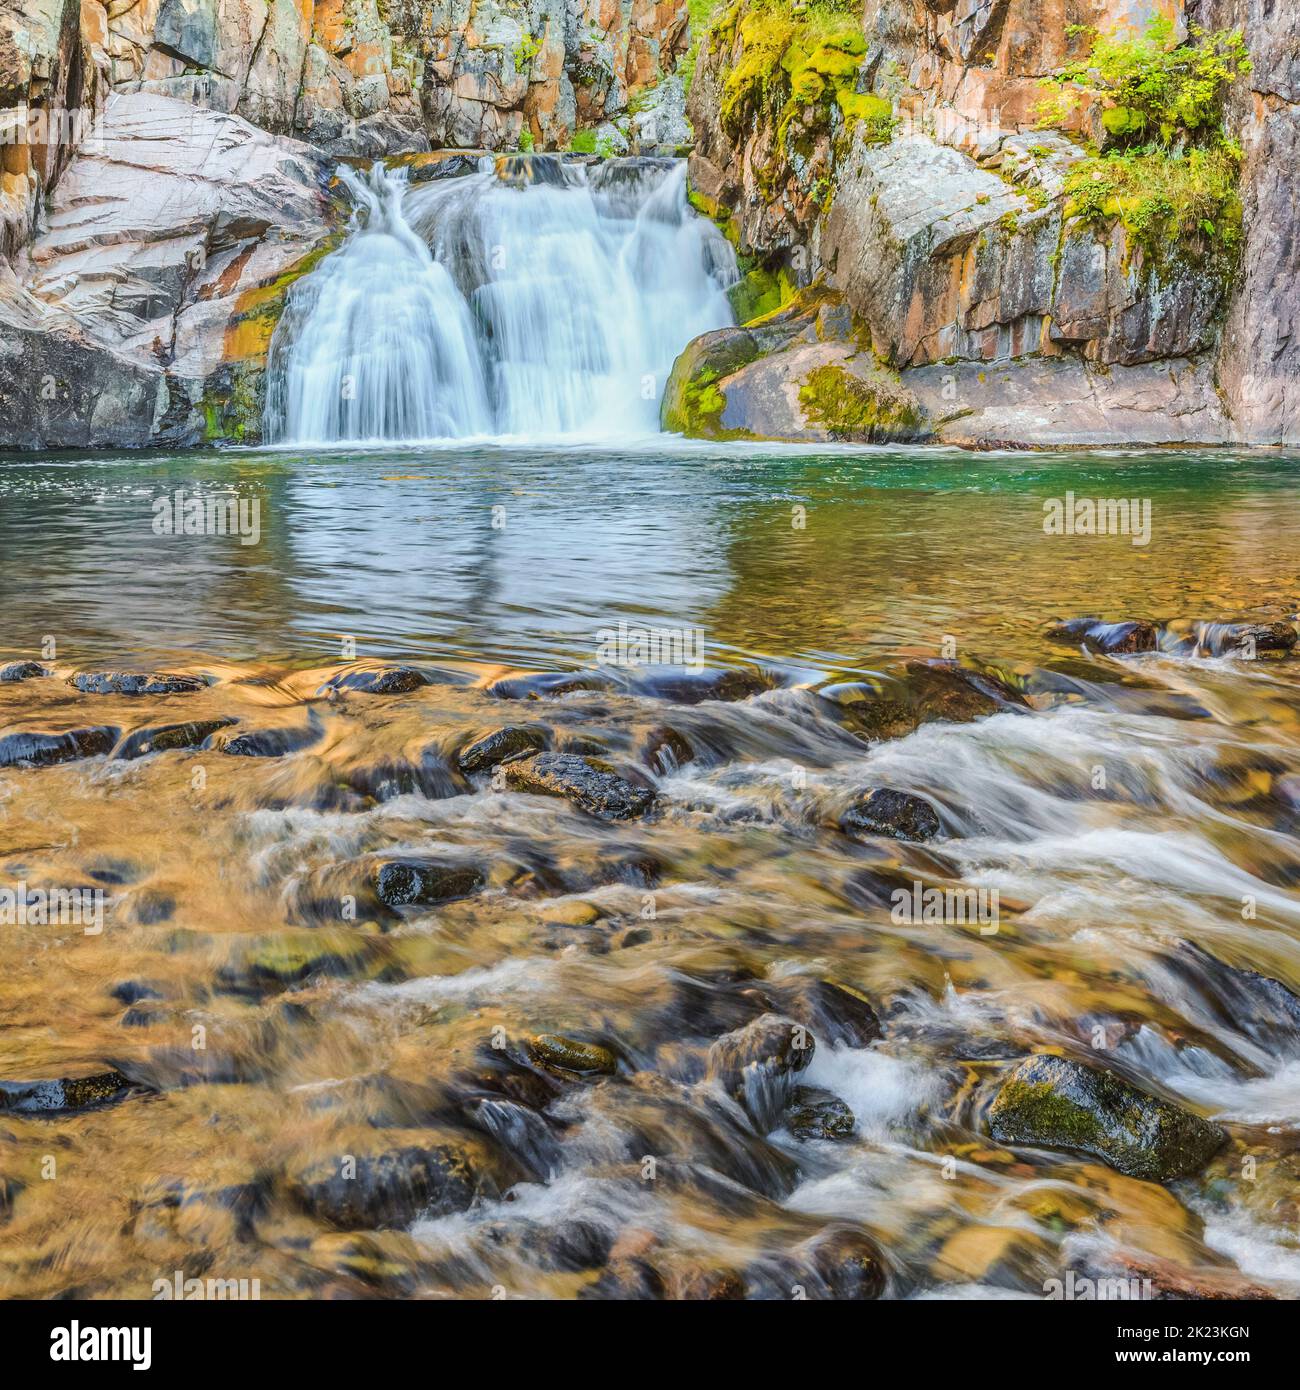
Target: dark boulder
[271,743]
[1107,639]
[22,671]
[1052,1102]
[834,1013]
[388,680]
[591,785]
[756,1065]
[385,1179]
[538,686]
[817,1114]
[498,747]
[684,686]
[136,683]
[44,750]
[161,738]
[849,1264]
[900,815]
[414,882]
[664,750]
[559,1053]
[64,1096]
[943,690]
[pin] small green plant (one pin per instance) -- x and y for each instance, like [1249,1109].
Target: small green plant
[527,144]
[1155,89]
[526,50]
[583,142]
[1170,173]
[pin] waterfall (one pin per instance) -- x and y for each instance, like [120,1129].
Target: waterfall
[534,298]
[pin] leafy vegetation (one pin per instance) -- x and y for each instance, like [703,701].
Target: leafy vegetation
[1169,172]
[1156,90]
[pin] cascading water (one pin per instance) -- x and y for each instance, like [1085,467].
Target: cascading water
[532,298]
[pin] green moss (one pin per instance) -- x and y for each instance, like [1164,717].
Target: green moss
[847,407]
[760,293]
[584,142]
[1176,207]
[796,64]
[695,399]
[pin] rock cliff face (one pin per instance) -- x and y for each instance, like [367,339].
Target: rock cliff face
[367,77]
[945,225]
[143,309]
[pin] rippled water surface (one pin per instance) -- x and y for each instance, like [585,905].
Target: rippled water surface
[280,1030]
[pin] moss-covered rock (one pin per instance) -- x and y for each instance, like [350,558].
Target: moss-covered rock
[817,1114]
[866,408]
[693,401]
[1052,1102]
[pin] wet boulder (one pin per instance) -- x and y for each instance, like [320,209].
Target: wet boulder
[64,1096]
[543,684]
[848,1262]
[500,746]
[1254,641]
[270,743]
[945,691]
[685,686]
[44,750]
[591,785]
[899,815]
[414,882]
[834,1013]
[384,1179]
[22,671]
[1259,1006]
[664,751]
[387,680]
[1124,638]
[160,738]
[136,683]
[1052,1102]
[756,1065]
[817,1114]
[570,1055]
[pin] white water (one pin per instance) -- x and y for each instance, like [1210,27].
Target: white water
[469,307]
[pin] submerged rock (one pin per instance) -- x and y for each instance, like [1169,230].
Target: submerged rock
[570,1055]
[270,743]
[163,737]
[687,687]
[498,747]
[664,750]
[542,684]
[589,784]
[22,671]
[943,690]
[756,1065]
[849,1262]
[136,683]
[1254,641]
[43,750]
[834,1013]
[62,1096]
[1108,639]
[389,680]
[817,1114]
[385,1179]
[413,882]
[1052,1102]
[899,815]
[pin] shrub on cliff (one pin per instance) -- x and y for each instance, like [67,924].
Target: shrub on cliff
[1170,171]
[1157,90]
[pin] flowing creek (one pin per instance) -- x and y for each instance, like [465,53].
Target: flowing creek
[270,1036]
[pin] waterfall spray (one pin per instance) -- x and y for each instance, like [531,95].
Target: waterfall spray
[475,306]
